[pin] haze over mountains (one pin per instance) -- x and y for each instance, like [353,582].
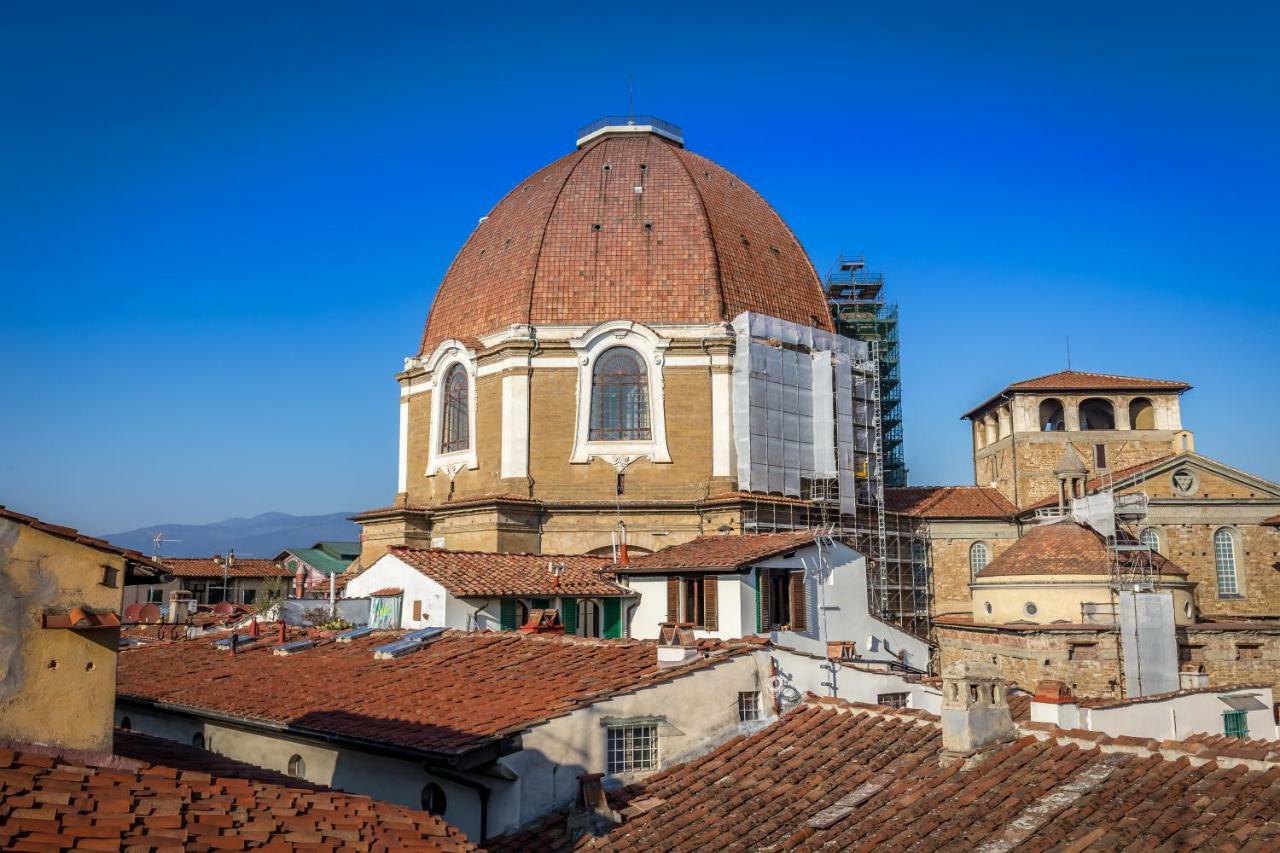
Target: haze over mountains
[262,535]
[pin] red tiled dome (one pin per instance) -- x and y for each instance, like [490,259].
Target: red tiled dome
[575,243]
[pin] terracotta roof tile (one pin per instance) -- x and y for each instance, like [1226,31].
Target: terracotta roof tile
[1079,380]
[1062,548]
[1273,521]
[459,692]
[205,567]
[159,794]
[137,558]
[575,244]
[949,502]
[833,776]
[724,553]
[477,574]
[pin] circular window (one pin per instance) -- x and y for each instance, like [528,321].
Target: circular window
[988,606]
[297,767]
[1029,608]
[197,740]
[433,799]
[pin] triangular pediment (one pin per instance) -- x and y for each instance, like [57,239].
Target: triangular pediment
[1192,475]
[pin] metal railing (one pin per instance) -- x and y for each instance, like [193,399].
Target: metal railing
[630,121]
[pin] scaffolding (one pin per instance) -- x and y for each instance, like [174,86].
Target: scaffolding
[859,310]
[808,431]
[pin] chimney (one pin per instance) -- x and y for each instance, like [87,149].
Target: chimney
[180,605]
[1192,677]
[544,621]
[591,814]
[975,710]
[676,644]
[1054,704]
[624,558]
[299,582]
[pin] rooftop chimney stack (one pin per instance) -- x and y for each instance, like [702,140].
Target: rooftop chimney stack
[975,709]
[591,814]
[1054,704]
[676,644]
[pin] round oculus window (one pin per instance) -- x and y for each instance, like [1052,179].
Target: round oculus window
[1029,608]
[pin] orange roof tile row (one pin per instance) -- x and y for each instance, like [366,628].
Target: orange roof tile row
[205,567]
[575,243]
[1079,380]
[70,533]
[478,574]
[724,553]
[460,692]
[159,795]
[1062,548]
[836,776]
[949,502]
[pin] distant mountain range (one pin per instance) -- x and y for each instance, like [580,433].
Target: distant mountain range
[262,536]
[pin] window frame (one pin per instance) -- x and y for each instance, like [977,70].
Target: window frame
[637,751]
[1154,534]
[611,417]
[894,700]
[749,706]
[297,767]
[1232,554]
[650,349]
[986,558]
[449,354]
[455,410]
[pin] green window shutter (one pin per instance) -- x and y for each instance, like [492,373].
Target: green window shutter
[613,617]
[507,618]
[569,614]
[759,611]
[541,603]
[1235,724]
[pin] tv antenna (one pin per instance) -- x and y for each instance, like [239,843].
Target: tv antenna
[157,541]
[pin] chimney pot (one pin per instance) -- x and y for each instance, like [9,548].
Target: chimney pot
[624,558]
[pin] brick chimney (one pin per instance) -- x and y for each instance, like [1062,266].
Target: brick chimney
[975,709]
[1054,704]
[676,644]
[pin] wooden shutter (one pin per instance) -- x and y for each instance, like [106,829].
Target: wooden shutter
[710,612]
[673,599]
[569,614]
[507,614]
[763,624]
[417,611]
[613,617]
[799,606]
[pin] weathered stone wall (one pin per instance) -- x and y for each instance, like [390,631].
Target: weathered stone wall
[949,546]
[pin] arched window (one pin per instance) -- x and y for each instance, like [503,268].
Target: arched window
[1150,537]
[619,397]
[1051,416]
[1142,415]
[297,767]
[433,799]
[126,723]
[455,414]
[1224,559]
[522,613]
[1097,413]
[979,556]
[197,740]
[588,618]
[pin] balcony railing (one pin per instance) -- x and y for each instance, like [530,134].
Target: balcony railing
[630,121]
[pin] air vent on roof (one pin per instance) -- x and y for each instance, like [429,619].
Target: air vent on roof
[354,634]
[292,648]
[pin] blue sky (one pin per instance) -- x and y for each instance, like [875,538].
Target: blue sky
[221,225]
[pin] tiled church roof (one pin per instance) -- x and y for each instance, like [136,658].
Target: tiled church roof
[948,502]
[1064,548]
[575,243]
[1079,380]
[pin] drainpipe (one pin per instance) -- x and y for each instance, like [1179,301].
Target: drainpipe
[482,791]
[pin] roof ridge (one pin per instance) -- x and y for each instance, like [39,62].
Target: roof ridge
[490,553]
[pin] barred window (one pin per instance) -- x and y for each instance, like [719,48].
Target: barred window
[632,748]
[978,558]
[619,397]
[455,415]
[893,700]
[1224,556]
[748,706]
[1235,724]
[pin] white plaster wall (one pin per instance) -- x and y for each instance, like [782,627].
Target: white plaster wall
[802,673]
[382,778]
[391,571]
[1181,716]
[735,607]
[700,712]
